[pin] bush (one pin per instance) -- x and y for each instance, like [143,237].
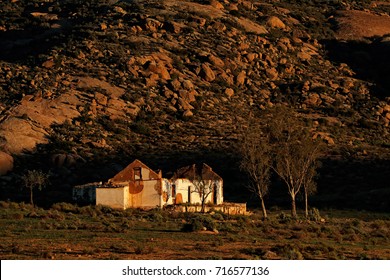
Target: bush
[226,227]
[218,216]
[141,249]
[199,222]
[284,218]
[156,217]
[289,252]
[314,215]
[4,204]
[65,207]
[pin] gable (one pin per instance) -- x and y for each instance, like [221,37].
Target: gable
[192,172]
[135,170]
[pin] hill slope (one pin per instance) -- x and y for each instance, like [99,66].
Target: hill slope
[88,85]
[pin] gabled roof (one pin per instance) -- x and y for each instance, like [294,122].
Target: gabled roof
[196,172]
[127,174]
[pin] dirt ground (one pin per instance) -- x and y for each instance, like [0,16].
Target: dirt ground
[100,233]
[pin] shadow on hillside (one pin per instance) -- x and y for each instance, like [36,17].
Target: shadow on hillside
[18,45]
[369,59]
[29,36]
[343,184]
[105,166]
[354,184]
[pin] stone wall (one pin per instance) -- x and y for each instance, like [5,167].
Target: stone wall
[227,208]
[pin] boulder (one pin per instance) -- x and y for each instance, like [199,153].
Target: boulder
[120,10]
[188,114]
[6,163]
[184,104]
[275,22]
[216,61]
[240,80]
[313,99]
[207,73]
[101,99]
[229,92]
[251,56]
[48,64]
[160,70]
[60,160]
[216,4]
[218,26]
[251,27]
[152,25]
[188,95]
[188,85]
[272,73]
[232,7]
[175,84]
[21,135]
[173,27]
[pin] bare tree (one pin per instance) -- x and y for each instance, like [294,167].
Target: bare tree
[203,187]
[203,179]
[295,153]
[256,161]
[34,179]
[309,185]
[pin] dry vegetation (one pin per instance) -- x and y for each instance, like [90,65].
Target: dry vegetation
[69,232]
[88,86]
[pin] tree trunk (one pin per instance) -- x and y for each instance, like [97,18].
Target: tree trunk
[263,209]
[31,197]
[293,207]
[306,206]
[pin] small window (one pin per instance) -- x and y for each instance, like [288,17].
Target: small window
[137,173]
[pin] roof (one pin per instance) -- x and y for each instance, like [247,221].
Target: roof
[89,185]
[127,174]
[196,172]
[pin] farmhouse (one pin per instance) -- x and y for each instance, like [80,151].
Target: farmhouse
[138,186]
[135,186]
[196,184]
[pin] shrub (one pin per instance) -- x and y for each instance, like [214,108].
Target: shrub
[218,242]
[226,227]
[142,249]
[314,215]
[4,204]
[54,214]
[199,222]
[156,217]
[284,218]
[253,251]
[218,216]
[289,252]
[89,210]
[65,207]
[18,216]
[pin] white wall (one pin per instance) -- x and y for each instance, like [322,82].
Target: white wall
[182,186]
[112,197]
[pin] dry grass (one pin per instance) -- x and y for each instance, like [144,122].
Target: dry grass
[70,232]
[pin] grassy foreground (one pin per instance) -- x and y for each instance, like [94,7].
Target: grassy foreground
[66,231]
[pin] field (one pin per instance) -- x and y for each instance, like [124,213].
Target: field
[66,231]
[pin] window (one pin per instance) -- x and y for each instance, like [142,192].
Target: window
[137,173]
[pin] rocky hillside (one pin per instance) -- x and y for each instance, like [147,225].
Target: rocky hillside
[85,86]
